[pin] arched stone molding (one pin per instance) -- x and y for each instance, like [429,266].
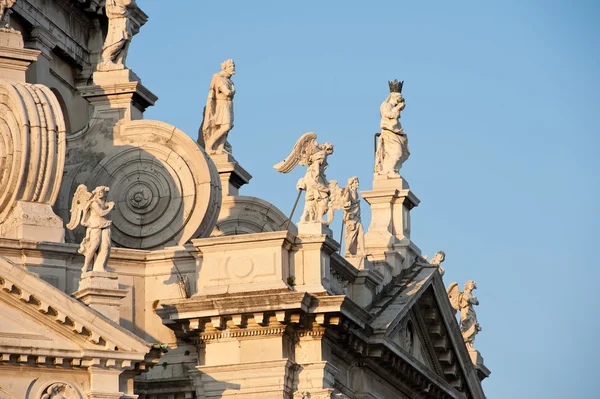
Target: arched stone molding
[32,155]
[59,390]
[166,188]
[247,215]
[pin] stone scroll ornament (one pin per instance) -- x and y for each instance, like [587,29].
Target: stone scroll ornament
[437,260]
[166,188]
[464,302]
[121,29]
[348,200]
[392,150]
[32,146]
[307,152]
[218,113]
[90,210]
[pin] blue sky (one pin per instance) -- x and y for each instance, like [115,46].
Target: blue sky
[502,120]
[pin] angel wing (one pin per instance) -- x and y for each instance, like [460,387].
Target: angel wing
[336,196]
[454,295]
[80,199]
[304,148]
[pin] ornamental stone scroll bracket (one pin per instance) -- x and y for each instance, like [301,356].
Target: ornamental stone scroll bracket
[166,188]
[32,155]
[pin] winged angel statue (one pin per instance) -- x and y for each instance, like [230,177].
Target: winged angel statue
[464,301]
[307,152]
[90,210]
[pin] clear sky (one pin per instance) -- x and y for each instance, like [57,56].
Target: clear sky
[502,104]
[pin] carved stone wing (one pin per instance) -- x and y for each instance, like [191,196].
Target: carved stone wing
[454,295]
[304,148]
[336,196]
[80,198]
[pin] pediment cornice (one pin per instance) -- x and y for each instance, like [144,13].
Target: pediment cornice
[97,340]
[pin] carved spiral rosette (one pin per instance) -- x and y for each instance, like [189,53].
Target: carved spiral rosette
[32,145]
[166,189]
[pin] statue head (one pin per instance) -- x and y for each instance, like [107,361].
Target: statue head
[228,66]
[438,258]
[395,98]
[327,147]
[100,192]
[353,182]
[470,286]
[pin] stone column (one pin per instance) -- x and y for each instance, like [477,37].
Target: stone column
[100,291]
[104,383]
[388,237]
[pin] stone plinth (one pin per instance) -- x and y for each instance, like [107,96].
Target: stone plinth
[119,90]
[34,222]
[231,173]
[14,59]
[100,291]
[244,263]
[391,201]
[313,228]
[482,371]
[312,261]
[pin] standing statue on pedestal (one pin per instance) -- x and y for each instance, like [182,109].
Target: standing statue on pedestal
[437,260]
[90,210]
[464,301]
[119,34]
[307,152]
[218,113]
[348,199]
[5,6]
[393,143]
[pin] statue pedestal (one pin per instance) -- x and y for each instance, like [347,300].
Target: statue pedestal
[312,260]
[391,201]
[14,58]
[232,175]
[119,91]
[100,291]
[482,371]
[34,222]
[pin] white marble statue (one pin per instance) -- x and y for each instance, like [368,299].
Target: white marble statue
[307,152]
[218,113]
[393,143]
[90,210]
[5,6]
[348,199]
[464,301]
[119,34]
[437,260]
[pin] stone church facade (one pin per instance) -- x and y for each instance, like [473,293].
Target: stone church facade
[181,287]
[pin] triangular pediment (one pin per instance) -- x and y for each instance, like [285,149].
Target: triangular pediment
[415,318]
[41,323]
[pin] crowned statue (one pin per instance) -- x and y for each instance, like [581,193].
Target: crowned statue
[392,150]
